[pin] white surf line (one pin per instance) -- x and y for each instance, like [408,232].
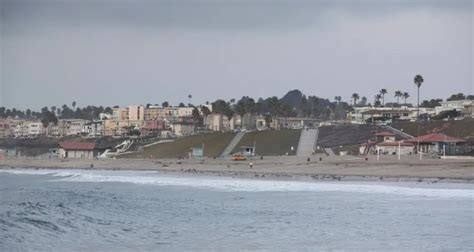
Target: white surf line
[244,185]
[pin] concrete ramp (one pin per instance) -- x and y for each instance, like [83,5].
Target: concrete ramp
[398,132]
[233,143]
[307,143]
[329,151]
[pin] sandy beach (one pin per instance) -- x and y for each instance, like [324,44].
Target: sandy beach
[344,168]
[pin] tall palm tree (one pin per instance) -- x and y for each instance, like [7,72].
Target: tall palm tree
[74,105]
[383,91]
[338,99]
[356,97]
[418,81]
[398,94]
[405,96]
[189,98]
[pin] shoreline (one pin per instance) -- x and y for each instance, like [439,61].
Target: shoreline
[337,168]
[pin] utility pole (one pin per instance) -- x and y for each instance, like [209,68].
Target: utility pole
[399,150]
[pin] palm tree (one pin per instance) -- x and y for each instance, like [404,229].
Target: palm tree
[356,97]
[405,96]
[418,81]
[338,99]
[74,105]
[377,100]
[398,94]
[383,91]
[189,97]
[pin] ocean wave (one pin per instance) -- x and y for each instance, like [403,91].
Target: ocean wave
[239,184]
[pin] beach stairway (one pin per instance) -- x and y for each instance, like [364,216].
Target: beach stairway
[398,132]
[233,143]
[307,143]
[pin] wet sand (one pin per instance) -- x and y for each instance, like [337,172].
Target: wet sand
[344,168]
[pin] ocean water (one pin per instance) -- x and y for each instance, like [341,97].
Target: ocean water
[84,210]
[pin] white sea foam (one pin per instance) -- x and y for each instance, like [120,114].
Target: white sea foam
[249,185]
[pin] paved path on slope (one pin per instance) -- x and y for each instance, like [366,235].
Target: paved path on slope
[399,132]
[307,143]
[232,144]
[329,151]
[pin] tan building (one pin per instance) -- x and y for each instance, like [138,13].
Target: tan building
[7,128]
[120,114]
[218,122]
[246,121]
[121,127]
[136,113]
[185,111]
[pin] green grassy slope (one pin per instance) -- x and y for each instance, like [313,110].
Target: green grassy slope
[271,142]
[214,144]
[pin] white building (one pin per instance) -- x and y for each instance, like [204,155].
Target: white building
[361,115]
[393,147]
[35,129]
[68,127]
[463,106]
[182,128]
[94,129]
[21,129]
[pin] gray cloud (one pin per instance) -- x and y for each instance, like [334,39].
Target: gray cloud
[121,52]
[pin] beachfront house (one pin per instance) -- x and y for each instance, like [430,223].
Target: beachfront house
[71,149]
[437,144]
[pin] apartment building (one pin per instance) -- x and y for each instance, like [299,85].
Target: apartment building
[94,129]
[466,107]
[362,115]
[136,113]
[120,114]
[35,129]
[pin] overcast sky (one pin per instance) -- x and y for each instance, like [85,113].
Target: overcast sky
[107,52]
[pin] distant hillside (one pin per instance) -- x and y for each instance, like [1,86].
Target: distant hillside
[271,142]
[460,129]
[214,144]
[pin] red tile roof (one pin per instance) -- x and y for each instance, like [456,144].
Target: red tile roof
[431,138]
[69,145]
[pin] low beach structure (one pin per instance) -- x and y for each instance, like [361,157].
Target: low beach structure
[395,147]
[71,149]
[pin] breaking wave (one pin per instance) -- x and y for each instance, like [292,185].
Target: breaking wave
[242,185]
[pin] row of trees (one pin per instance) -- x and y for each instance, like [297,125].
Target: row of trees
[379,99]
[293,104]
